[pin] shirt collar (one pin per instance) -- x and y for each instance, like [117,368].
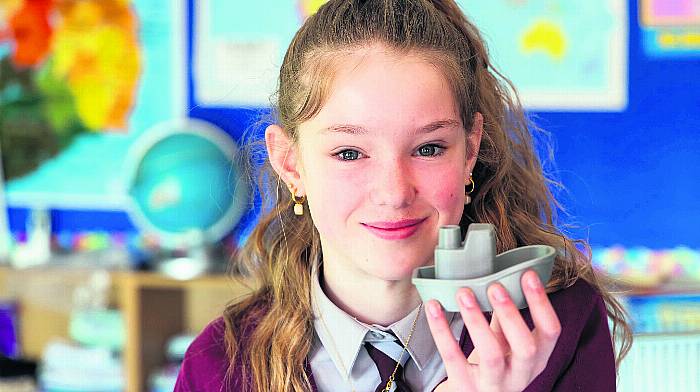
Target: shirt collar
[342,335]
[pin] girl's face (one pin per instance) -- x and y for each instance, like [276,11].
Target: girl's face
[387,149]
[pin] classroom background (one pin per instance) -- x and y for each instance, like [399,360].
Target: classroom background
[123,195]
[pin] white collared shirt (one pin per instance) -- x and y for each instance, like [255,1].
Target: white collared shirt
[339,360]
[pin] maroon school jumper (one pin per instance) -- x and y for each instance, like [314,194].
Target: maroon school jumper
[582,360]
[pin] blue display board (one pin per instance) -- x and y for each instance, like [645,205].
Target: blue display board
[630,174]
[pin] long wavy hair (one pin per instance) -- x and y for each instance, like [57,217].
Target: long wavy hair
[512,191]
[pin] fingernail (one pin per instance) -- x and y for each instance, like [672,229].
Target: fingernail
[433,309]
[533,282]
[466,298]
[499,293]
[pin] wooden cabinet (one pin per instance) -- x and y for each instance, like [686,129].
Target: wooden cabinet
[154,308]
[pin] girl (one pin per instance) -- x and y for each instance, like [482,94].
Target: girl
[392,122]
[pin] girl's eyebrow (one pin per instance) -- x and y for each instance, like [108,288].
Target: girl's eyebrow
[359,130]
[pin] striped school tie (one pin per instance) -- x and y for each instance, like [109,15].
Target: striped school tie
[383,354]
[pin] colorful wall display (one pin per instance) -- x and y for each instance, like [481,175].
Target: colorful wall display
[80,80]
[561,55]
[670,28]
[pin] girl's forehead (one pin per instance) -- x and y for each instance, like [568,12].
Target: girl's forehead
[381,89]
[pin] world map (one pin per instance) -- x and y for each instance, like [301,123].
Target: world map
[89,48]
[568,55]
[80,81]
[561,54]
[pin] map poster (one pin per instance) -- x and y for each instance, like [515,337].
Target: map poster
[564,55]
[239,47]
[80,80]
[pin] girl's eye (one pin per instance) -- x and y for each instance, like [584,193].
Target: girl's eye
[431,150]
[426,150]
[348,155]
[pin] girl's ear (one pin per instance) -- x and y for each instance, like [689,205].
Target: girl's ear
[284,157]
[474,141]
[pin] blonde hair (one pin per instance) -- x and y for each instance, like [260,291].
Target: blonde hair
[512,191]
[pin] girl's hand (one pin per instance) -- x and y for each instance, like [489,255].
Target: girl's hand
[507,355]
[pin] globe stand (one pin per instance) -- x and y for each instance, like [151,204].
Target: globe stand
[194,263]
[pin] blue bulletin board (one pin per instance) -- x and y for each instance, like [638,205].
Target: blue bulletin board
[631,173]
[630,168]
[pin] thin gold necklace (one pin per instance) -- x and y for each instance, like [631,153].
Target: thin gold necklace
[387,388]
[405,348]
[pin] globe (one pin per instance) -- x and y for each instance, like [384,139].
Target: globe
[182,177]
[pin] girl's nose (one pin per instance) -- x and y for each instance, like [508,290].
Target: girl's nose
[393,185]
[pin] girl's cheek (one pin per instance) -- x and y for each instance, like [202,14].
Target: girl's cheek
[332,194]
[446,188]
[449,196]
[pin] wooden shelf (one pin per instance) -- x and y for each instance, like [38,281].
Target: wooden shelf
[154,307]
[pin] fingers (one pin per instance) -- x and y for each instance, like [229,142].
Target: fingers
[508,353]
[496,328]
[491,354]
[498,331]
[452,356]
[520,339]
[547,325]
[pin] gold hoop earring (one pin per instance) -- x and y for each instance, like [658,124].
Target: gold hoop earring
[467,198]
[298,202]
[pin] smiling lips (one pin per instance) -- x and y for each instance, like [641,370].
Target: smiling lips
[395,230]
